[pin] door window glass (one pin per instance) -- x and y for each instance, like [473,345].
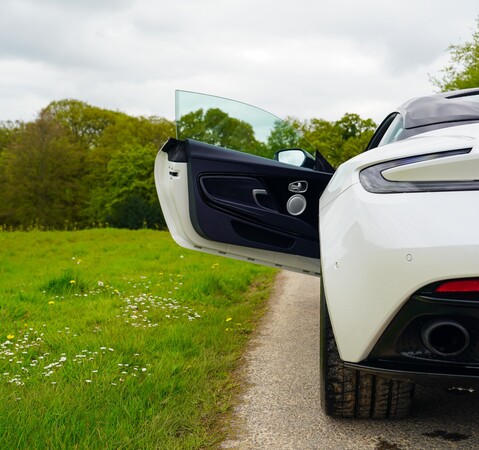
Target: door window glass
[234,125]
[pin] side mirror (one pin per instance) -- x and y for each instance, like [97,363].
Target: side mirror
[296,157]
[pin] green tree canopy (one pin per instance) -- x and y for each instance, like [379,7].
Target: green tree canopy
[86,123]
[463,70]
[287,134]
[84,165]
[80,164]
[340,140]
[39,176]
[216,127]
[122,138]
[8,130]
[130,192]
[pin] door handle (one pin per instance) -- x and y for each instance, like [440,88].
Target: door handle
[264,200]
[298,187]
[257,192]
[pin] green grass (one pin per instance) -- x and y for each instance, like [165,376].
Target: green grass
[113,339]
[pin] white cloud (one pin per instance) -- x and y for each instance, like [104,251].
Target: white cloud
[307,59]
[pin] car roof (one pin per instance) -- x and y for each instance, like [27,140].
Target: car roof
[454,106]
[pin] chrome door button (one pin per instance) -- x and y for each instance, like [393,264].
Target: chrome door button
[296,205]
[298,187]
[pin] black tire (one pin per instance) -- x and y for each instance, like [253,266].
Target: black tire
[353,393]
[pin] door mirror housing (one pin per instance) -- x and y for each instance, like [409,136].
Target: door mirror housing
[295,157]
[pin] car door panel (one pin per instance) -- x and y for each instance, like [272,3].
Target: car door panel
[241,199]
[250,224]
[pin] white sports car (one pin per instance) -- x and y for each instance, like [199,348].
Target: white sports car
[393,233]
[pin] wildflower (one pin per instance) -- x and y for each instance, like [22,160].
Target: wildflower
[100,283]
[51,302]
[10,336]
[72,281]
[87,381]
[229,319]
[144,369]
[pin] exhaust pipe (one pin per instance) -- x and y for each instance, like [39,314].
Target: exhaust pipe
[445,337]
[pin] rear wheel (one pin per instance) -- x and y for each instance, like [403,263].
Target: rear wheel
[347,392]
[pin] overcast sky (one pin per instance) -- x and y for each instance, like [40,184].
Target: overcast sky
[305,58]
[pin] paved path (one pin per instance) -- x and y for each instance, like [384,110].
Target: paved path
[279,408]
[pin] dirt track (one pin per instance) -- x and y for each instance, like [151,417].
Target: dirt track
[279,408]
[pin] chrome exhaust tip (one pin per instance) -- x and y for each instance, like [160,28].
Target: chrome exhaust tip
[445,337]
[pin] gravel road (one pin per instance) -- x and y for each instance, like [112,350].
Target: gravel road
[279,407]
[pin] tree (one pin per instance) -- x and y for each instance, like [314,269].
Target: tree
[139,130]
[218,128]
[340,140]
[120,143]
[103,135]
[41,176]
[286,134]
[130,196]
[86,123]
[8,131]
[463,71]
[355,133]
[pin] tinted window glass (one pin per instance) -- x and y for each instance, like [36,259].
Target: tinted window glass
[394,131]
[235,125]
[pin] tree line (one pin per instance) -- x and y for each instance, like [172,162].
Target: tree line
[78,165]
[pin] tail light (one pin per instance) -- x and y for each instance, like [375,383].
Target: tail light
[466,285]
[372,179]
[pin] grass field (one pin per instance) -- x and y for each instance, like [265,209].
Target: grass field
[114,339]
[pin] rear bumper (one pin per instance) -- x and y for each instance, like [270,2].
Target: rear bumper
[427,374]
[401,352]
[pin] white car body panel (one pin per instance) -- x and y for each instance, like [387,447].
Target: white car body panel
[384,244]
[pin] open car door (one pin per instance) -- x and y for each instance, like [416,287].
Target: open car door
[238,182]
